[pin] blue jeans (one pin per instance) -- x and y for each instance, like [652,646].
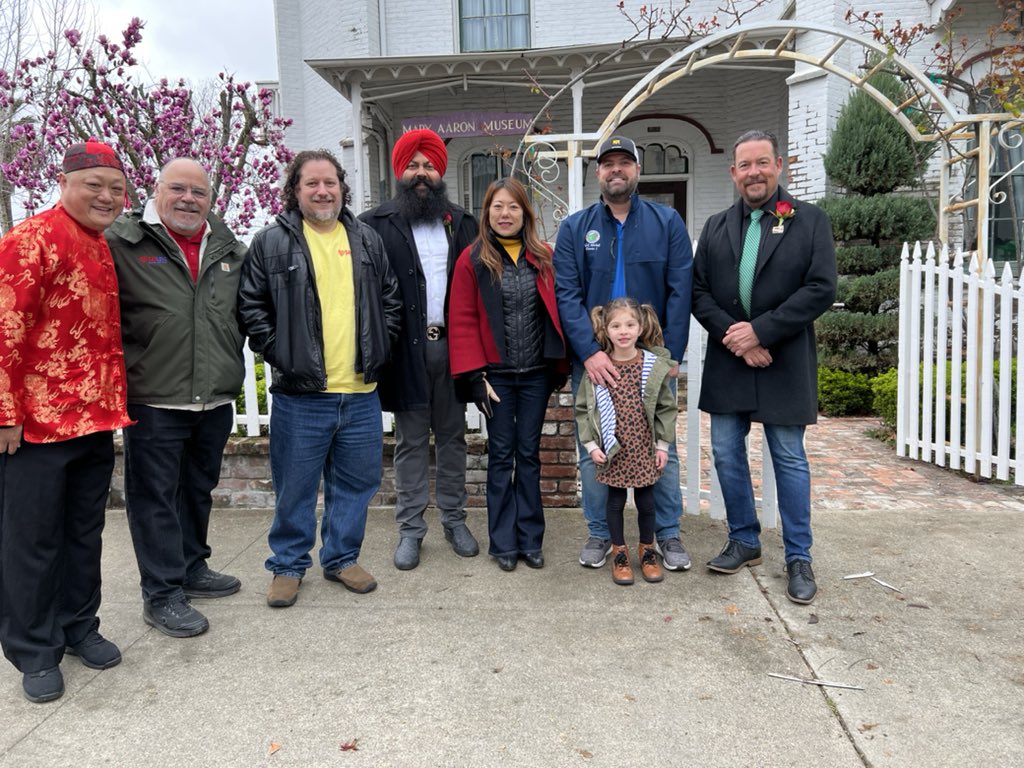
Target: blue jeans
[668,497]
[792,479]
[515,513]
[339,436]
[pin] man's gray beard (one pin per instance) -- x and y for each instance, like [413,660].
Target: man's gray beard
[319,217]
[414,208]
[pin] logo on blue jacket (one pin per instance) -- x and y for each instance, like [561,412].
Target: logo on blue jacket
[593,238]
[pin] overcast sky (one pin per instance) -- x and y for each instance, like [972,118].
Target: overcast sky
[195,39]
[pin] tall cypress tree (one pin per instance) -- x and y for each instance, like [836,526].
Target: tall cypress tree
[871,155]
[869,152]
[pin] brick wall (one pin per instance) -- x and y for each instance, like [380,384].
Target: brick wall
[245,475]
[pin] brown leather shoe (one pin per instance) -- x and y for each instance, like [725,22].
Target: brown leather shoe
[622,572]
[354,579]
[283,592]
[649,567]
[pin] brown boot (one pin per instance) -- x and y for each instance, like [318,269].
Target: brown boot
[354,578]
[649,567]
[284,591]
[622,572]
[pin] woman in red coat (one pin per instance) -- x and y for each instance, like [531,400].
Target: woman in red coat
[508,354]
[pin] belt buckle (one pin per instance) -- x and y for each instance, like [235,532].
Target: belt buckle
[433,333]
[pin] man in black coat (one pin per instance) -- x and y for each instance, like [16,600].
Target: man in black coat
[423,234]
[758,296]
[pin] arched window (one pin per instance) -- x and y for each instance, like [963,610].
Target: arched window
[481,169]
[661,159]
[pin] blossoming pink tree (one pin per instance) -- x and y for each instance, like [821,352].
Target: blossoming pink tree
[235,135]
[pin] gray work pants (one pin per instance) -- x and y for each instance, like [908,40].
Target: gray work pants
[447,418]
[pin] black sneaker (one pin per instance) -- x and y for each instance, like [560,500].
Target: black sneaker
[44,685]
[206,582]
[95,651]
[176,618]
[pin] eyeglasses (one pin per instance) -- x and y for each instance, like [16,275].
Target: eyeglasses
[180,190]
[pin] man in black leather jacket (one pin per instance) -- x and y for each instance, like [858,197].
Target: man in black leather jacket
[319,301]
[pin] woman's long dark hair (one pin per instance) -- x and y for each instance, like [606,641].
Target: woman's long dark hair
[490,256]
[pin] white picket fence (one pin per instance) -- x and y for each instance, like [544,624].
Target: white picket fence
[957,327]
[693,470]
[253,419]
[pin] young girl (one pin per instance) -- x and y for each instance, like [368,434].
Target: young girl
[628,428]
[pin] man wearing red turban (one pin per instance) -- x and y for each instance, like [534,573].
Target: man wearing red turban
[423,234]
[424,141]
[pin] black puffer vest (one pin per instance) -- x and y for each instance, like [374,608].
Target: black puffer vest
[523,317]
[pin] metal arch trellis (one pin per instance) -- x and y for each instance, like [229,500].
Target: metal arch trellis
[538,154]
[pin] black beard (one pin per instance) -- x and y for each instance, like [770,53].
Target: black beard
[414,208]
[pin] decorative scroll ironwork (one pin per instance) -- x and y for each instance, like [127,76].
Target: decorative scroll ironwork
[1009,138]
[541,172]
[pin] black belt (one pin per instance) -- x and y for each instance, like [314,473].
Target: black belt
[435,332]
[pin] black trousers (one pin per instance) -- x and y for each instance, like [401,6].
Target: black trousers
[172,461]
[53,498]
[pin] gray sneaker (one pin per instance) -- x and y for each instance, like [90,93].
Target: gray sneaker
[462,541]
[595,552]
[407,553]
[673,554]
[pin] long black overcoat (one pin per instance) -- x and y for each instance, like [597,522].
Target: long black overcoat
[404,386]
[794,283]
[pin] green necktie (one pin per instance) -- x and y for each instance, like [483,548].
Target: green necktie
[748,261]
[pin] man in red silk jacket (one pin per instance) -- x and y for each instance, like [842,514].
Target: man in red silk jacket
[62,394]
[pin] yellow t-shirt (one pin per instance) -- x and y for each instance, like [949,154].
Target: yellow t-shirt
[332,267]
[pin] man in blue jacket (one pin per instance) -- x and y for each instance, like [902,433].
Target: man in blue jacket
[624,246]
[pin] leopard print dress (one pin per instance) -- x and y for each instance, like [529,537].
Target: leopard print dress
[634,465]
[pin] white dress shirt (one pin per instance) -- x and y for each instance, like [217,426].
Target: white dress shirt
[432,246]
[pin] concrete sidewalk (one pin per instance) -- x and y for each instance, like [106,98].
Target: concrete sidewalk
[460,664]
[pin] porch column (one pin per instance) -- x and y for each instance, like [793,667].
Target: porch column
[574,163]
[359,150]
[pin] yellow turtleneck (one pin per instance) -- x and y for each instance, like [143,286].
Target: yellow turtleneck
[512,247]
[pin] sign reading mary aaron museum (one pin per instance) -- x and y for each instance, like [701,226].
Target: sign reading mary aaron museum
[459,124]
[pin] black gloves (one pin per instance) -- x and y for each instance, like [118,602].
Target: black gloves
[474,388]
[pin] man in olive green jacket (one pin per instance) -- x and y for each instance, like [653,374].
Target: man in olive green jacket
[178,268]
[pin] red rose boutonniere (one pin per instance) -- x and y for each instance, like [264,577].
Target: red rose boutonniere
[783,211]
[446,219]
